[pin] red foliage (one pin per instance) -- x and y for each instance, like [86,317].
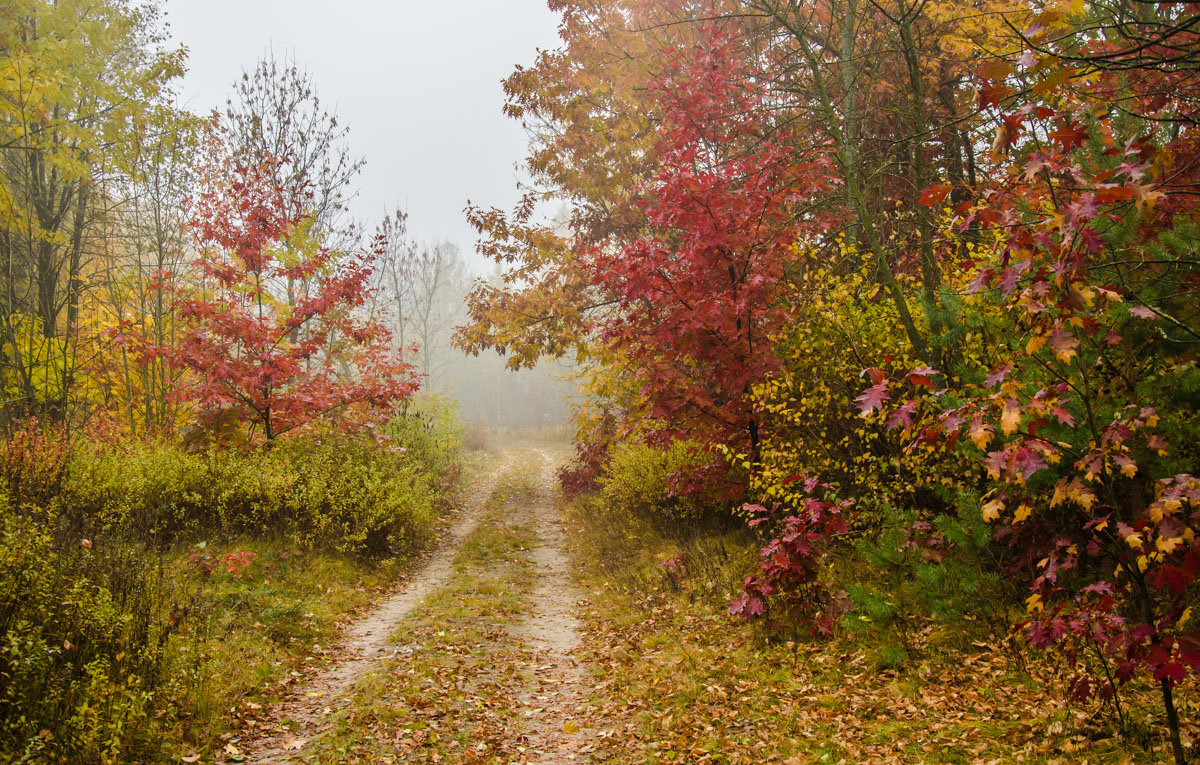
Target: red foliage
[788,579]
[1060,422]
[702,295]
[592,455]
[233,563]
[33,463]
[274,334]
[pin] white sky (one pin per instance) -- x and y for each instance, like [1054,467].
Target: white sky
[418,84]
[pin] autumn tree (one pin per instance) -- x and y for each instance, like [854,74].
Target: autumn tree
[1082,421]
[146,262]
[81,81]
[701,295]
[886,84]
[275,116]
[590,117]
[274,363]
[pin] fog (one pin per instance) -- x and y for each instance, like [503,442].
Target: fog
[420,294]
[417,88]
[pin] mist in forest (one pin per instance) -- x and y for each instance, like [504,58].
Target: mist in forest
[386,160]
[418,289]
[420,294]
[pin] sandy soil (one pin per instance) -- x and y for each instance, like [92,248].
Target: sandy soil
[304,712]
[552,631]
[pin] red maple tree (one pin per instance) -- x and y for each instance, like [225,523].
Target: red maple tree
[274,360]
[701,295]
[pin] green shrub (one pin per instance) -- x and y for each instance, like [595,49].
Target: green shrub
[912,572]
[92,538]
[640,479]
[152,491]
[353,496]
[431,434]
[324,489]
[80,645]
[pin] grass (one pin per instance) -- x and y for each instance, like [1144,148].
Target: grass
[254,633]
[450,694]
[678,680]
[247,632]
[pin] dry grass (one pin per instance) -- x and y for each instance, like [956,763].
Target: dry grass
[676,679]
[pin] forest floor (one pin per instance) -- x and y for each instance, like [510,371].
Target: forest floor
[472,659]
[287,726]
[542,632]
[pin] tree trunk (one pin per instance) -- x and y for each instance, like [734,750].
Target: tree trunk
[1173,723]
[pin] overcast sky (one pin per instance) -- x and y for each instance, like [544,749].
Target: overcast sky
[417,82]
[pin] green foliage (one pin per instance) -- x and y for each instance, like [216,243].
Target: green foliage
[912,572]
[431,433]
[80,645]
[82,86]
[639,480]
[353,496]
[357,494]
[118,620]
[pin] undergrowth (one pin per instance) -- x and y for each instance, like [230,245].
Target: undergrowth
[149,594]
[677,679]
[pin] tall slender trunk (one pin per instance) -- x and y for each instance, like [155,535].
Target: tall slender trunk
[1173,723]
[930,274]
[852,166]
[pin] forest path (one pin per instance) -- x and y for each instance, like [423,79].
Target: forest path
[305,710]
[552,700]
[474,661]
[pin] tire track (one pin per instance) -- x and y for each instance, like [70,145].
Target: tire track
[363,644]
[552,703]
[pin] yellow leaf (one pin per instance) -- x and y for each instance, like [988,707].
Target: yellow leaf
[1085,294]
[1167,546]
[1035,344]
[991,510]
[1011,419]
[1022,513]
[981,435]
[1134,540]
[1033,603]
[1156,512]
[570,727]
[1060,493]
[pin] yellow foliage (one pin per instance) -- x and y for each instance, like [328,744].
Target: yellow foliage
[811,423]
[991,510]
